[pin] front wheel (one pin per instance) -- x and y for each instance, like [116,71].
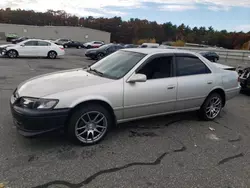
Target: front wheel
[212,106]
[12,54]
[89,124]
[100,56]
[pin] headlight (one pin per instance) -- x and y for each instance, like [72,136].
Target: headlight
[36,103]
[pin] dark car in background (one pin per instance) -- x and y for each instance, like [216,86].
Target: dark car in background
[244,77]
[211,56]
[20,39]
[73,44]
[11,36]
[103,51]
[130,46]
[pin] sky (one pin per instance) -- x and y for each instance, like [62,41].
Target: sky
[232,15]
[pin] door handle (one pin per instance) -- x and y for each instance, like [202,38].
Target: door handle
[171,87]
[209,82]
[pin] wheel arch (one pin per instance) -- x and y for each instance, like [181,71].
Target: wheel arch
[221,92]
[13,50]
[99,101]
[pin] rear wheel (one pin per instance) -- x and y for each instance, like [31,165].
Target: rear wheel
[12,54]
[89,124]
[52,55]
[212,106]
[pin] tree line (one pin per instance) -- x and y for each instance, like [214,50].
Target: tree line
[131,31]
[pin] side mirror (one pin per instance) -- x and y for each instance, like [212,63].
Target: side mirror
[138,78]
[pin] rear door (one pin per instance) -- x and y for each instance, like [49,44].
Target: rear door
[43,48]
[195,81]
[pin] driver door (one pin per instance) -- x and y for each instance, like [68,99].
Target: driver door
[28,48]
[155,96]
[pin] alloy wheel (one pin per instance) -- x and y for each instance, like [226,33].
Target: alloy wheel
[214,107]
[100,56]
[52,55]
[12,54]
[91,127]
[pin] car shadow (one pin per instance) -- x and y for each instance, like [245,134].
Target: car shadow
[6,57]
[59,138]
[245,92]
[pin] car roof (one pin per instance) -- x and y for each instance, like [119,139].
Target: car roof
[158,50]
[37,40]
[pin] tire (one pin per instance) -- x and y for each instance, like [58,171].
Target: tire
[52,55]
[12,54]
[78,47]
[215,59]
[89,125]
[65,46]
[211,108]
[99,56]
[88,47]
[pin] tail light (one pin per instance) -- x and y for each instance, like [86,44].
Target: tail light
[62,48]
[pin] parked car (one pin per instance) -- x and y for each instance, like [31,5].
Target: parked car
[93,44]
[126,85]
[211,56]
[61,41]
[20,39]
[73,44]
[103,51]
[244,76]
[11,36]
[149,45]
[33,48]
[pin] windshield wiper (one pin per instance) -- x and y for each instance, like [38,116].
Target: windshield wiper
[95,71]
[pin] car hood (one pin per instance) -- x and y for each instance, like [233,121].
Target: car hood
[52,83]
[6,45]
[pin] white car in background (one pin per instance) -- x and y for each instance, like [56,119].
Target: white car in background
[33,48]
[93,44]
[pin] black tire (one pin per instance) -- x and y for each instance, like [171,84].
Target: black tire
[215,59]
[208,111]
[88,47]
[12,54]
[100,56]
[77,119]
[78,47]
[65,46]
[52,55]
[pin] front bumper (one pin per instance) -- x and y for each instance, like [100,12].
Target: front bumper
[3,51]
[31,122]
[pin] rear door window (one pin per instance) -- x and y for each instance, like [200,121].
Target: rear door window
[189,65]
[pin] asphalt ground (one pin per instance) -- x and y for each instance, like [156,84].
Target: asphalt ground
[174,151]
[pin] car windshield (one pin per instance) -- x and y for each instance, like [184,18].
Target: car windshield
[116,65]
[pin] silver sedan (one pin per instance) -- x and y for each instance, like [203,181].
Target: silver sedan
[127,85]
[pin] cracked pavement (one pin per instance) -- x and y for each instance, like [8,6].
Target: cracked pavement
[168,151]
